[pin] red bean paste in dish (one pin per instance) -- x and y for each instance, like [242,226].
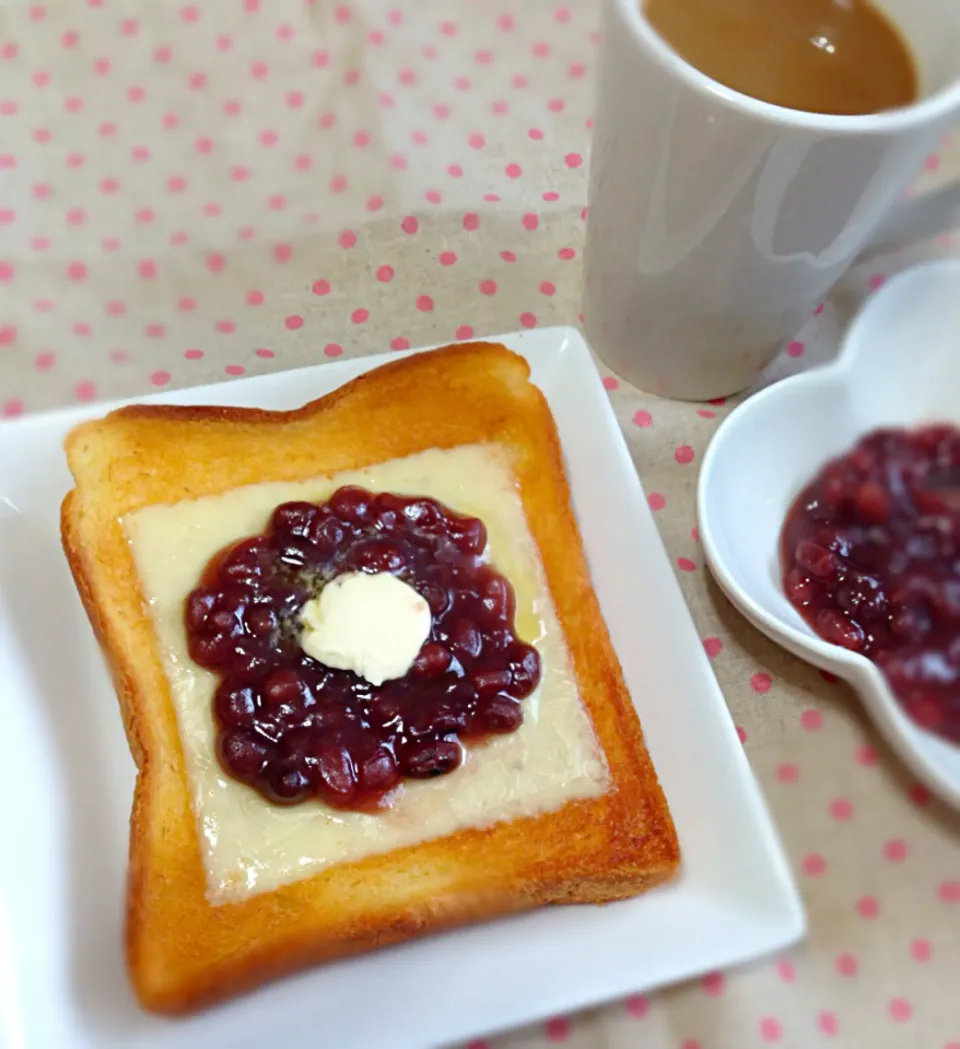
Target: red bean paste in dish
[870,553]
[293,728]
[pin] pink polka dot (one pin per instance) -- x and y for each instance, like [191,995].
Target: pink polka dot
[44,361]
[713,646]
[215,262]
[513,171]
[186,304]
[741,733]
[949,891]
[447,258]
[254,298]
[333,349]
[548,288]
[321,287]
[528,320]
[12,408]
[827,1022]
[6,271]
[39,243]
[895,850]
[866,755]
[234,369]
[282,253]
[761,682]
[424,303]
[155,331]
[160,378]
[900,1010]
[921,950]
[642,418]
[787,772]
[814,864]
[771,1030]
[85,390]
[385,274]
[920,795]
[488,287]
[147,269]
[293,322]
[530,221]
[464,332]
[684,454]
[360,316]
[476,141]
[83,329]
[685,564]
[868,907]
[225,327]
[471,221]
[713,983]
[557,1029]
[638,1006]
[795,349]
[347,239]
[264,352]
[556,105]
[374,203]
[706,413]
[410,225]
[121,356]
[690,1043]
[573,160]
[841,808]
[786,971]
[812,720]
[399,343]
[76,271]
[876,281]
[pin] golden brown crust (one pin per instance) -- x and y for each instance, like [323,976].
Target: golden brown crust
[182,952]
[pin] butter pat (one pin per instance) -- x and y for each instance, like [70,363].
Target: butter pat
[372,624]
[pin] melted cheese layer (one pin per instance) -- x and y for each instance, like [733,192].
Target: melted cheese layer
[249,845]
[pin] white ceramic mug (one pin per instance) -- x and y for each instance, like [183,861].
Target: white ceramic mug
[718,222]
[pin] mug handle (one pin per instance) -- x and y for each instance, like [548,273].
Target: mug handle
[920,217]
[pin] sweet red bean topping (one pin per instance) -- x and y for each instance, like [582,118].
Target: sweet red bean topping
[870,553]
[294,729]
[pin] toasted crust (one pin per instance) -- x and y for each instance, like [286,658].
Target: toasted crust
[183,952]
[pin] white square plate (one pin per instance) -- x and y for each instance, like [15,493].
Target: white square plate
[66,781]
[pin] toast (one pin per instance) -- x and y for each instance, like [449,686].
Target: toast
[184,951]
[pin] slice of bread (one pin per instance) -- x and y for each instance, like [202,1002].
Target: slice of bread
[183,951]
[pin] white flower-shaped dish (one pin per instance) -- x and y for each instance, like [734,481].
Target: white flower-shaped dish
[899,366]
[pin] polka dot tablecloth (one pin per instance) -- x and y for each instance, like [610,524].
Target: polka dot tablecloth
[198,191]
